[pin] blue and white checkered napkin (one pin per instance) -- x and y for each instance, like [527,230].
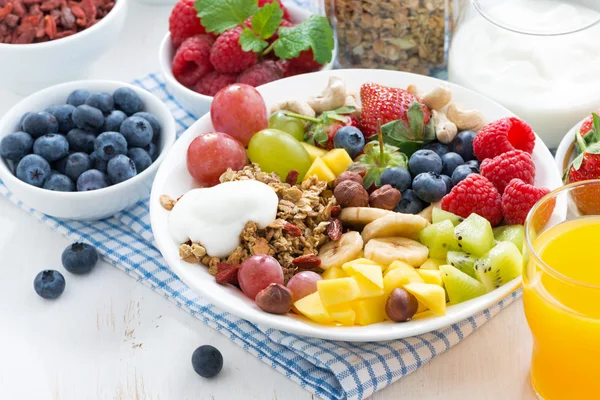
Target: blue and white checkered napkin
[330,370]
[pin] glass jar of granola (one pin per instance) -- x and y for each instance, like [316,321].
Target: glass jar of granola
[405,35]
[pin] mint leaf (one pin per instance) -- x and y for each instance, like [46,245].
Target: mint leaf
[266,21]
[313,33]
[220,15]
[415,120]
[250,42]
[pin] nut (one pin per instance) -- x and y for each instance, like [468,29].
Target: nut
[445,130]
[436,99]
[465,120]
[401,305]
[348,176]
[334,96]
[386,197]
[274,299]
[351,102]
[351,194]
[295,106]
[167,202]
[334,229]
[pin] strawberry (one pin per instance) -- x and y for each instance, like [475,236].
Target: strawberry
[586,166]
[323,129]
[589,131]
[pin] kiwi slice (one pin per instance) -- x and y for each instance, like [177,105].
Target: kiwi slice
[511,233]
[500,265]
[439,238]
[474,235]
[460,286]
[439,215]
[462,261]
[433,263]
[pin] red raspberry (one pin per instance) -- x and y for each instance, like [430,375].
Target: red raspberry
[191,61]
[501,169]
[305,61]
[213,82]
[286,14]
[289,69]
[501,136]
[184,22]
[474,194]
[518,199]
[227,55]
[284,24]
[259,74]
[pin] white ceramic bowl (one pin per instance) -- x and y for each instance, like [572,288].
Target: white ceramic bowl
[198,104]
[173,179]
[30,67]
[95,204]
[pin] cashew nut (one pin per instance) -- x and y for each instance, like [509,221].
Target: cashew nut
[435,99]
[351,102]
[445,130]
[334,96]
[295,106]
[471,120]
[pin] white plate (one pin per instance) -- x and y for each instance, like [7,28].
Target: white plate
[173,179]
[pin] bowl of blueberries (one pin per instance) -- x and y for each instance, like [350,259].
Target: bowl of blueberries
[84,150]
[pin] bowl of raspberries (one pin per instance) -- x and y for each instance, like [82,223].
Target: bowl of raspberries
[84,150]
[209,46]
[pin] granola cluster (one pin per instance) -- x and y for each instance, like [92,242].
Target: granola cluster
[300,229]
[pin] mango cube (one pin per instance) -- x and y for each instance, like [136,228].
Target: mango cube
[370,311]
[400,276]
[338,160]
[432,296]
[334,273]
[319,168]
[312,307]
[367,288]
[361,260]
[433,263]
[313,151]
[433,276]
[407,268]
[368,271]
[338,291]
[342,313]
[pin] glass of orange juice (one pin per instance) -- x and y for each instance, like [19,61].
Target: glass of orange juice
[561,293]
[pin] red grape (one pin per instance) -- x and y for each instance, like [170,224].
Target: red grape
[303,283]
[240,111]
[210,154]
[258,272]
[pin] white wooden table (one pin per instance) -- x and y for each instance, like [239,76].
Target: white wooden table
[109,337]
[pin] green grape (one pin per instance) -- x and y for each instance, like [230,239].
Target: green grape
[277,151]
[293,126]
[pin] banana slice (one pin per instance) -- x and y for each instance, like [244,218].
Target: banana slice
[361,216]
[348,248]
[395,224]
[387,250]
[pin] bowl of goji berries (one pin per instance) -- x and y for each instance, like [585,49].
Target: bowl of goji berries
[211,45]
[53,41]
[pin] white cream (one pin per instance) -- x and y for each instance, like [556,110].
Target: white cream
[550,81]
[216,216]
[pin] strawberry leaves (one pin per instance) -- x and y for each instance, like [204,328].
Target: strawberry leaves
[412,136]
[592,136]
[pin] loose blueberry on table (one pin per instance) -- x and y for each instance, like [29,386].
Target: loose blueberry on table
[207,361]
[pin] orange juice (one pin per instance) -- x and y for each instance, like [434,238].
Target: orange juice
[563,310]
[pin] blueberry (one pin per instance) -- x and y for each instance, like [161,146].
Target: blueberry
[461,172]
[77,164]
[424,161]
[449,163]
[152,151]
[113,121]
[51,146]
[120,168]
[410,203]
[60,164]
[39,124]
[88,118]
[102,101]
[79,258]
[78,97]
[81,140]
[351,139]
[137,131]
[23,119]
[448,181]
[34,170]
[429,186]
[463,145]
[49,284]
[437,147]
[473,164]
[59,183]
[153,122]
[16,146]
[207,361]
[397,177]
[64,116]
[98,163]
[110,144]
[127,101]
[92,179]
[140,158]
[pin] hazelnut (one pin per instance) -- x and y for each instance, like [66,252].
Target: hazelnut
[401,305]
[348,176]
[386,197]
[351,194]
[274,299]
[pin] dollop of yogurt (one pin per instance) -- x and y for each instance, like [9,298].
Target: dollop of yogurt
[216,216]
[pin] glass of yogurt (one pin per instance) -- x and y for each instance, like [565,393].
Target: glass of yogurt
[538,58]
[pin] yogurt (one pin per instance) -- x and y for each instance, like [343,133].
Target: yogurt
[550,81]
[216,216]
